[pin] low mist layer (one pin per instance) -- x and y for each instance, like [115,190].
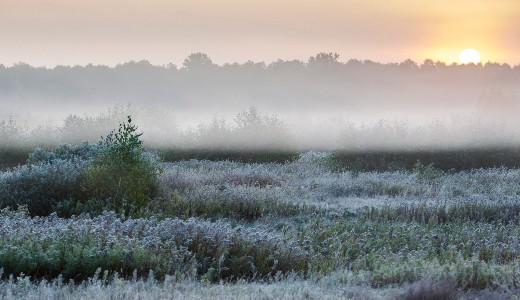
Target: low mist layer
[321,104]
[322,85]
[251,129]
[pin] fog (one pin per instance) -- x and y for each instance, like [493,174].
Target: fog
[322,103]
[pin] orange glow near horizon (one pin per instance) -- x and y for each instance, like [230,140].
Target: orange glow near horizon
[50,32]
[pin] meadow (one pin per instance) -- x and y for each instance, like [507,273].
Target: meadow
[111,219]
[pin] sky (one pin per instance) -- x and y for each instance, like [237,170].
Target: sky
[79,32]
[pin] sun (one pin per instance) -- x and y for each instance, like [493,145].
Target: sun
[469,56]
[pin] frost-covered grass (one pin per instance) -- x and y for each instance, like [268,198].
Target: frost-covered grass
[388,228]
[172,289]
[220,229]
[310,182]
[77,247]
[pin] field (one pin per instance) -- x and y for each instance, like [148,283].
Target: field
[306,228]
[259,150]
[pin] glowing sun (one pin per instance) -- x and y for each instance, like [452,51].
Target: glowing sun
[469,56]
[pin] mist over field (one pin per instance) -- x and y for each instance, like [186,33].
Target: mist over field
[290,179]
[322,103]
[231,149]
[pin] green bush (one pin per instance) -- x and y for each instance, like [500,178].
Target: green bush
[114,174]
[123,175]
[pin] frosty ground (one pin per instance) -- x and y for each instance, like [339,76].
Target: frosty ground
[296,230]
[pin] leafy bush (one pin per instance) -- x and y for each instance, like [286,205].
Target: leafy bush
[122,174]
[114,173]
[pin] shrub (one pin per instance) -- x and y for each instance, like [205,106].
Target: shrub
[83,151]
[42,185]
[122,174]
[49,177]
[114,173]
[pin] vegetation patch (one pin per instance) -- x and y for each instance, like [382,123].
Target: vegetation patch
[418,232]
[75,248]
[122,174]
[446,160]
[114,174]
[226,205]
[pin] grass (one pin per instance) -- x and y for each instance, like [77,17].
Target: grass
[443,159]
[354,161]
[75,248]
[220,227]
[149,288]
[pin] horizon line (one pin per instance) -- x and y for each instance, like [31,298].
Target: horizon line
[268,63]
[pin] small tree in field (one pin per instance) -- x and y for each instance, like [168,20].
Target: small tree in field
[123,176]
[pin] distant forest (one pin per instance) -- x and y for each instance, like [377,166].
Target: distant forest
[323,83]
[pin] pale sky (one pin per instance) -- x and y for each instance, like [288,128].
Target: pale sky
[70,32]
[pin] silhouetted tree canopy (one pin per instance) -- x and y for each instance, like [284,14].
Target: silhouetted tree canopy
[323,83]
[198,62]
[323,60]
